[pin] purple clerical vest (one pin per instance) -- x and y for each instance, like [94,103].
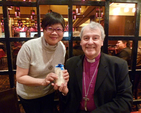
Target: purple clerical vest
[90,71]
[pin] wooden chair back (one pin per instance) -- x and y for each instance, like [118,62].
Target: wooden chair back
[9,101]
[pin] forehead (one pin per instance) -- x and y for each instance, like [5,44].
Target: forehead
[91,31]
[119,41]
[55,25]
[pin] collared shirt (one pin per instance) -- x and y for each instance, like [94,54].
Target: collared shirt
[90,69]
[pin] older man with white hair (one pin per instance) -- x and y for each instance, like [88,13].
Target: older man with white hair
[98,83]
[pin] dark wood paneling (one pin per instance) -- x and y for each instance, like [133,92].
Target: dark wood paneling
[121,25]
[116,25]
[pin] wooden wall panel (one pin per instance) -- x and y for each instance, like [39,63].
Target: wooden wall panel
[116,25]
[121,25]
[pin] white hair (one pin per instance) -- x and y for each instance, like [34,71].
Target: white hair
[94,25]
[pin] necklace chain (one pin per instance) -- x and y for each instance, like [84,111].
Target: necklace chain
[86,93]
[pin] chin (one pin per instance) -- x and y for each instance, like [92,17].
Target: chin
[90,54]
[53,42]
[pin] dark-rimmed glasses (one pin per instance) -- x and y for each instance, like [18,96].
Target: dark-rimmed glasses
[57,30]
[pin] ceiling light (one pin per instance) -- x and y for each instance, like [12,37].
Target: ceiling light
[126,9]
[116,11]
[17,12]
[133,10]
[78,10]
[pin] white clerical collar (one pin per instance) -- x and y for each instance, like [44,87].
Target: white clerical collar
[91,61]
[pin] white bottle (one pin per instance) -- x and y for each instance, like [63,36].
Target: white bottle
[58,70]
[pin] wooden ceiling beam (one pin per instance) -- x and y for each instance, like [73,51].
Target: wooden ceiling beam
[89,12]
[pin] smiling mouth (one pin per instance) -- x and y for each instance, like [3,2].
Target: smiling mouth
[90,47]
[53,38]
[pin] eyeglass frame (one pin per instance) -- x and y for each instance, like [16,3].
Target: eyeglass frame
[62,30]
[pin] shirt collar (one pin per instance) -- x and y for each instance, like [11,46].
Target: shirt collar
[47,46]
[95,59]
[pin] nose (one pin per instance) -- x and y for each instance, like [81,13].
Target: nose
[54,31]
[90,41]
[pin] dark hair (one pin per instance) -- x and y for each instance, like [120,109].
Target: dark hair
[16,34]
[127,43]
[51,19]
[35,35]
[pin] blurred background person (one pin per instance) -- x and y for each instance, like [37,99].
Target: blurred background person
[77,50]
[35,35]
[123,50]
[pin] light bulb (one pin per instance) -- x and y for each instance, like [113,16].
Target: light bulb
[126,9]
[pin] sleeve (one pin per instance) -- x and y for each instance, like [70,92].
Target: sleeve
[122,101]
[124,55]
[23,58]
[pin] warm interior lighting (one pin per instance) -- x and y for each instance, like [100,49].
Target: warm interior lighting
[111,4]
[27,0]
[126,9]
[133,10]
[85,23]
[10,7]
[17,12]
[32,14]
[116,11]
[74,14]
[122,8]
[20,23]
[2,21]
[99,12]
[66,19]
[78,10]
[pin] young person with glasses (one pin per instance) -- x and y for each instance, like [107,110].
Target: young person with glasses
[36,62]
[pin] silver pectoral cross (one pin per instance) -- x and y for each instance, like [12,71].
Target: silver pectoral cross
[86,99]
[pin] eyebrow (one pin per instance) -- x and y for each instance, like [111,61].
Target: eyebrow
[88,35]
